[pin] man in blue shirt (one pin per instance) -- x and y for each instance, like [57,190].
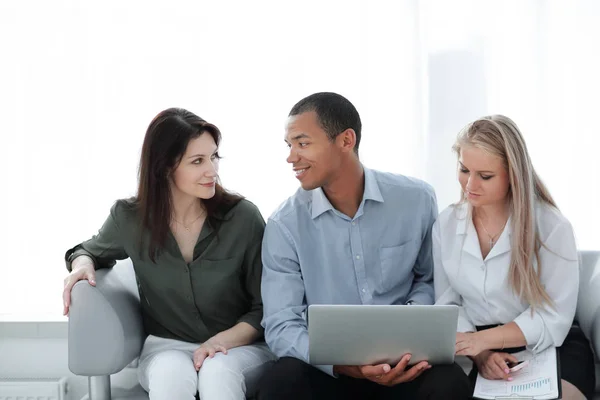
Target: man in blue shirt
[350,235]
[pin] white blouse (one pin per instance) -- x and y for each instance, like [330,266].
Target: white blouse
[481,289]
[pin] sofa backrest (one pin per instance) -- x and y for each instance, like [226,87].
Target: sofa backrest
[588,301]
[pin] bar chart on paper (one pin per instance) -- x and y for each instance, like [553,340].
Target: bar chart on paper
[538,380]
[543,385]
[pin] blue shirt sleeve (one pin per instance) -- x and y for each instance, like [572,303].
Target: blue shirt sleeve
[421,291]
[284,302]
[286,331]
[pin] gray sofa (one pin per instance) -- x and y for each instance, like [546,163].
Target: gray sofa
[106,333]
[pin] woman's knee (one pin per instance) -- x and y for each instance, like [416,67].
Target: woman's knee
[169,374]
[220,366]
[240,367]
[570,391]
[221,377]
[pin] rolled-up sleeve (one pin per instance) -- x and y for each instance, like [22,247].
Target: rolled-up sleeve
[444,293]
[422,291]
[283,295]
[549,325]
[104,248]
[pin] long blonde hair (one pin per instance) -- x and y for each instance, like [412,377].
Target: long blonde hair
[500,136]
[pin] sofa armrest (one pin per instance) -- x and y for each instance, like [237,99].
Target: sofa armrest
[105,323]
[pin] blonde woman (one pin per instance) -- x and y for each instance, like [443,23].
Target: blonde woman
[507,257]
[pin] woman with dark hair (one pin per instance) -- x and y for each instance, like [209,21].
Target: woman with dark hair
[195,249]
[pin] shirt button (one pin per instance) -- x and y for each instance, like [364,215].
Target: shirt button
[358,257]
[353,223]
[364,290]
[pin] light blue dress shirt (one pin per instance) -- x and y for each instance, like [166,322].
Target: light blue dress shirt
[314,254]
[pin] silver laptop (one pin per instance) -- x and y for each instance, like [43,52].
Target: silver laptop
[372,334]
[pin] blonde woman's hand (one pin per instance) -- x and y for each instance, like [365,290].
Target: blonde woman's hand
[494,365]
[206,350]
[469,344]
[82,268]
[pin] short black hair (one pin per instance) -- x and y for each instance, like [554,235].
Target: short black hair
[334,112]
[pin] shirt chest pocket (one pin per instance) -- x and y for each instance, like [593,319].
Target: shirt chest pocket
[396,264]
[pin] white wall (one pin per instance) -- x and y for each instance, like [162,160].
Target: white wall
[85,79]
[39,350]
[80,81]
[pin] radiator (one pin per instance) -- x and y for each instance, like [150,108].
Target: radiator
[33,389]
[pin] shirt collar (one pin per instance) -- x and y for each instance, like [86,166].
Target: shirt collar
[471,244]
[321,204]
[372,191]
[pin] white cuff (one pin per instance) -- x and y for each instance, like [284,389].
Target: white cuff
[532,327]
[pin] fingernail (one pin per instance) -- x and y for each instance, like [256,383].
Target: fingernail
[506,371]
[92,281]
[510,378]
[386,368]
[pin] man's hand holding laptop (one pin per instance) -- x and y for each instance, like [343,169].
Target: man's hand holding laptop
[384,374]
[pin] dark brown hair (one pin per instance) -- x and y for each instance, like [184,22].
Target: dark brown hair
[165,143]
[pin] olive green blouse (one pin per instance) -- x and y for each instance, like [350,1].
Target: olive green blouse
[190,302]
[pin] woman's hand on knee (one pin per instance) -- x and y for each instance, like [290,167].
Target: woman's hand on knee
[206,350]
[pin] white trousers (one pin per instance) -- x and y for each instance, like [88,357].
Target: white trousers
[167,372]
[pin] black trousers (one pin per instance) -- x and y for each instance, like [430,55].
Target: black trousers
[291,379]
